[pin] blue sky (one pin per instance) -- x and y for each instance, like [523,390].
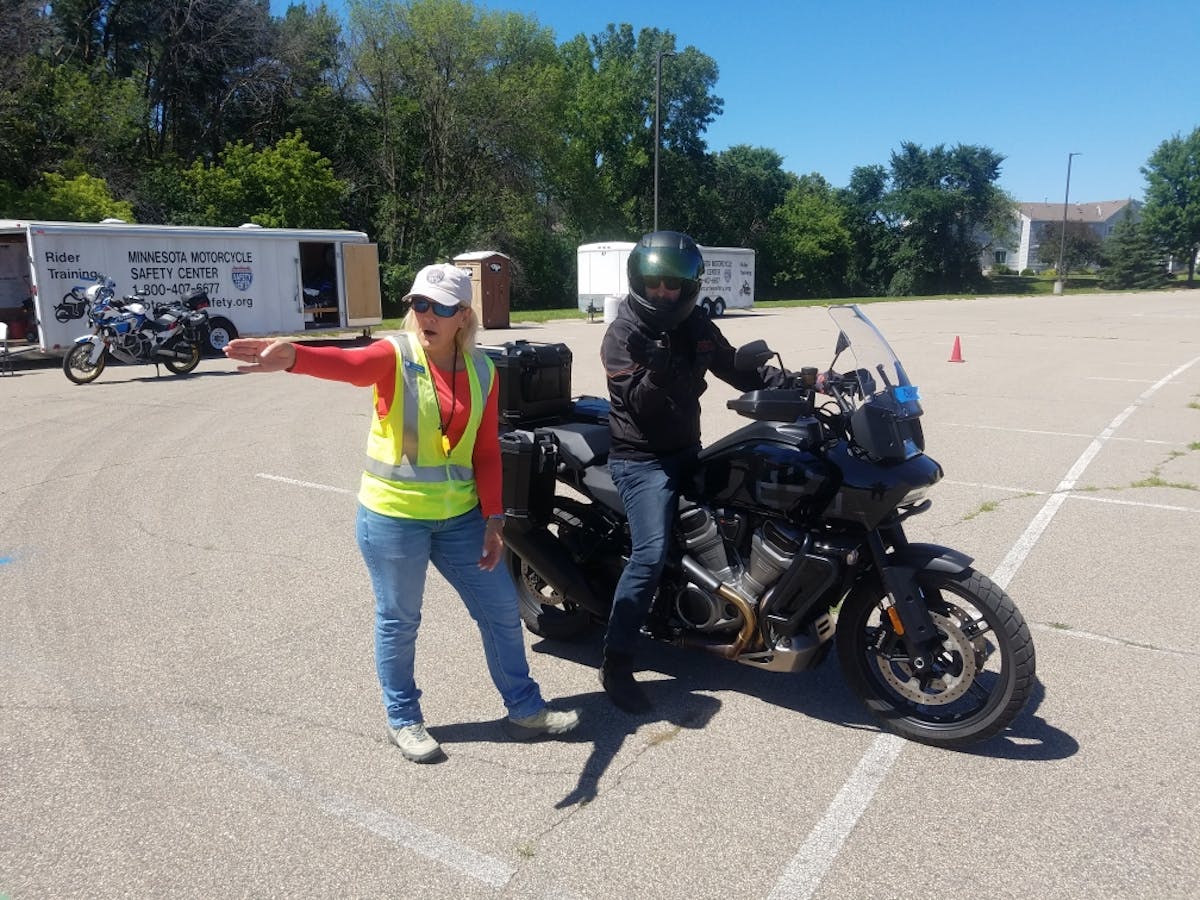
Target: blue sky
[832,85]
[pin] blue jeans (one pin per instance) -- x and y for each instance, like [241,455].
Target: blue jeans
[397,553]
[650,491]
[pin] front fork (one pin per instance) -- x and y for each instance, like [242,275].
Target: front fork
[907,611]
[98,346]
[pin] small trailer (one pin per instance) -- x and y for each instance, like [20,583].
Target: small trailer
[728,281]
[261,281]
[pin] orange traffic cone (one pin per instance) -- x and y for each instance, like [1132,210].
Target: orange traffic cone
[956,353]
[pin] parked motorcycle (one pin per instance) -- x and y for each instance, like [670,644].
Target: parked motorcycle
[790,540]
[132,330]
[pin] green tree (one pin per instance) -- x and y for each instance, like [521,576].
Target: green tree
[1172,210]
[1081,249]
[288,185]
[873,234]
[199,65]
[466,104]
[1131,259]
[605,184]
[24,97]
[55,197]
[743,185]
[809,231]
[312,91]
[944,199]
[731,203]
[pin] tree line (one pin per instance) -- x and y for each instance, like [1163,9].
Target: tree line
[438,126]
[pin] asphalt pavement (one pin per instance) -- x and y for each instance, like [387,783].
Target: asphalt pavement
[188,704]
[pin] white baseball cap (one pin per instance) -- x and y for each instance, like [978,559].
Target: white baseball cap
[443,283]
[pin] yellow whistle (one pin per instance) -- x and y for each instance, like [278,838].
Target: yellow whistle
[446,444]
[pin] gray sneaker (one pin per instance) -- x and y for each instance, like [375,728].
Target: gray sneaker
[415,742]
[545,721]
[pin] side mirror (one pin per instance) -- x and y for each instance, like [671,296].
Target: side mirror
[752,355]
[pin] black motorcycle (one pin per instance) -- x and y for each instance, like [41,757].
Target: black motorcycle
[790,540]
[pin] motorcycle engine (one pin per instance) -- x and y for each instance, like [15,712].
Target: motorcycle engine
[135,343]
[772,548]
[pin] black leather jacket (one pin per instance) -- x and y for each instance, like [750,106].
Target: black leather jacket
[658,413]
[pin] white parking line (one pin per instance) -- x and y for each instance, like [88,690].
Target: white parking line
[803,875]
[1016,556]
[430,844]
[307,484]
[1073,434]
[1073,495]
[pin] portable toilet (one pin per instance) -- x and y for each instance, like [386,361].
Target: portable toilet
[491,280]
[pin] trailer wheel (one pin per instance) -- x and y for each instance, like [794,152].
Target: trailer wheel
[718,307]
[220,332]
[705,307]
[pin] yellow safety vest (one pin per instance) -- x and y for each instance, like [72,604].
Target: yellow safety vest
[408,473]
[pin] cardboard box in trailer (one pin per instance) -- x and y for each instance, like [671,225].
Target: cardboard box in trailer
[261,281]
[728,281]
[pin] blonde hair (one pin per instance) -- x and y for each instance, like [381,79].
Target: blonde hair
[464,338]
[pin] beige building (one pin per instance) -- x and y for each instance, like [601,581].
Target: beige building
[1020,250]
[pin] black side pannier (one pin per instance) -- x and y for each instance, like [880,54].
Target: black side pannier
[528,460]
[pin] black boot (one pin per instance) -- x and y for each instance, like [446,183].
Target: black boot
[616,677]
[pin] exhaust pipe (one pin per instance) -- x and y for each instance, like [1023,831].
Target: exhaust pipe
[542,553]
[705,579]
[171,354]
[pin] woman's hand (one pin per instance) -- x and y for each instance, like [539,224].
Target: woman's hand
[493,544]
[261,355]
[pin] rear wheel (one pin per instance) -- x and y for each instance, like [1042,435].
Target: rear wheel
[183,366]
[79,368]
[544,610]
[983,667]
[718,307]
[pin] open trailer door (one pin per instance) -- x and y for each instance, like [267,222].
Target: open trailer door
[364,305]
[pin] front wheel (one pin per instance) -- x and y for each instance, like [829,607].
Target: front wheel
[544,610]
[983,665]
[78,365]
[183,366]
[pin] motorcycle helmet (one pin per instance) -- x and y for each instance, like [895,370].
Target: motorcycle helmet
[668,255]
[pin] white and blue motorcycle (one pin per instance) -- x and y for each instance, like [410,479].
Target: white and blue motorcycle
[132,330]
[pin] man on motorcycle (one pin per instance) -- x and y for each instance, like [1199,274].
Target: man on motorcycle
[656,354]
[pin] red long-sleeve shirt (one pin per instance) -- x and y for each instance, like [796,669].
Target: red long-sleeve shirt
[375,365]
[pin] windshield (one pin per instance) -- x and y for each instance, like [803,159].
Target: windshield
[863,351]
[884,408]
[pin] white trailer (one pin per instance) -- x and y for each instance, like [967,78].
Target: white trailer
[261,281]
[728,281]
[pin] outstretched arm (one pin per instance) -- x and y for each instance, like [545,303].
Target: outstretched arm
[261,354]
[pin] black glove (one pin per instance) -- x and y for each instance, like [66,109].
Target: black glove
[652,355]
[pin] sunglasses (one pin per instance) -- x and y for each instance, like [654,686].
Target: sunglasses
[424,305]
[670,282]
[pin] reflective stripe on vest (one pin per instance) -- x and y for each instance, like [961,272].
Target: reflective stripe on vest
[413,486]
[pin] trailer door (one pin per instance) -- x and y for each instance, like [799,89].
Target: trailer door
[364,305]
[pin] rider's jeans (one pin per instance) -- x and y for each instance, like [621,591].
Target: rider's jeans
[650,491]
[397,553]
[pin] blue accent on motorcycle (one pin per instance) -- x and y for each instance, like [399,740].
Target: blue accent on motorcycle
[906,393]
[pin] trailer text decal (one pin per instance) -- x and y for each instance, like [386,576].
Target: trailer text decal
[61,258]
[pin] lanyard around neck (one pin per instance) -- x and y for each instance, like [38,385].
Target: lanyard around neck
[445,425]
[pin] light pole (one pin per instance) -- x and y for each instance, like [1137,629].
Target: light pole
[657,93]
[1062,246]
